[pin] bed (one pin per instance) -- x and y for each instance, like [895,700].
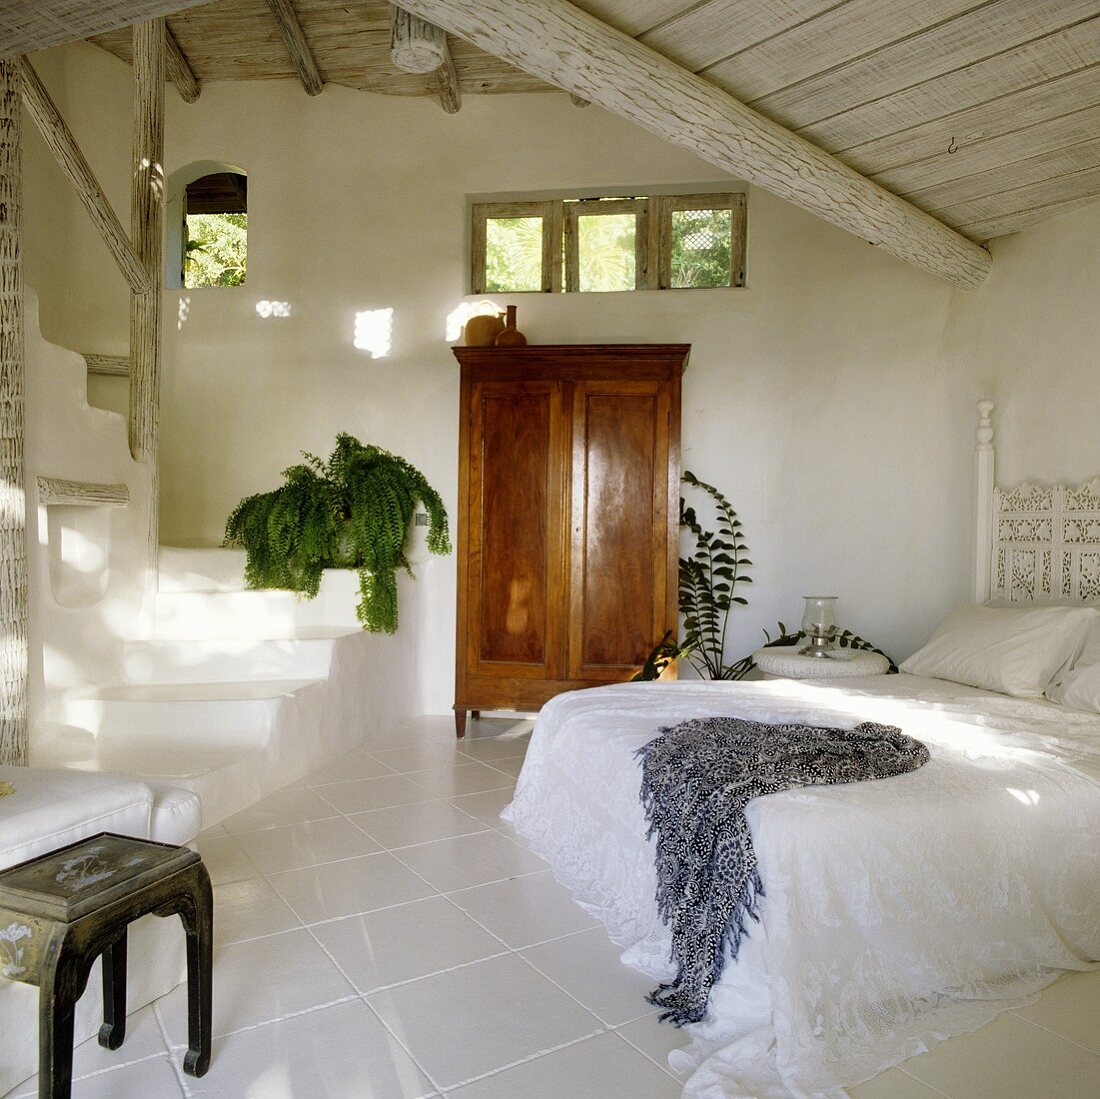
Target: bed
[897,912]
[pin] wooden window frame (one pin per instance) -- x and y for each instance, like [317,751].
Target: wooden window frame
[603,207]
[669,204]
[652,241]
[551,214]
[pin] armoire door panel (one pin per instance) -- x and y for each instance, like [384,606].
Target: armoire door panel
[513,519]
[620,525]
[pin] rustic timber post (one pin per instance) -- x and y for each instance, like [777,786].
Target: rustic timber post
[13,509]
[146,231]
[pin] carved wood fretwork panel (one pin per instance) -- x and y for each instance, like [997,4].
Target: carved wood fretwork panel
[1047,542]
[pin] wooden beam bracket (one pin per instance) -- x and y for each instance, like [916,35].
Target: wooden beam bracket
[179,69]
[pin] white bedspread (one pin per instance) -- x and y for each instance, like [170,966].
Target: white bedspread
[897,912]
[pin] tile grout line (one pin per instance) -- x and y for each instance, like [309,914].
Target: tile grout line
[1052,1031]
[352,995]
[523,1061]
[665,1068]
[923,1084]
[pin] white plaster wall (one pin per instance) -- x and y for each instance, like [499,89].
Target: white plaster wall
[832,400]
[367,211]
[75,630]
[1030,337]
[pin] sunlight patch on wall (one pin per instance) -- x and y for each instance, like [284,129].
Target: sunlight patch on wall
[457,317]
[267,309]
[183,312]
[374,332]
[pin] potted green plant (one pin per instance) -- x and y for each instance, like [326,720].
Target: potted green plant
[708,593]
[351,511]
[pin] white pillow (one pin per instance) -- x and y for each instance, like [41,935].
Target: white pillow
[1079,684]
[1016,652]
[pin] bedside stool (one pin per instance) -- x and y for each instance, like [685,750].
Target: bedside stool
[61,911]
[784,662]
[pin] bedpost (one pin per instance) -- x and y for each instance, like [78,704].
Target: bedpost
[983,503]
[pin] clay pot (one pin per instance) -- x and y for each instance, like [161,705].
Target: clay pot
[482,330]
[510,335]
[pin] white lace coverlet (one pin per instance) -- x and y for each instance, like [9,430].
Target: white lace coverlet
[897,913]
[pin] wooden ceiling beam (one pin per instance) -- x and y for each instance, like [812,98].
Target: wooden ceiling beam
[450,91]
[64,147]
[301,55]
[571,49]
[179,69]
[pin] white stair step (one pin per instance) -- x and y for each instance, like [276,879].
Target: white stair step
[306,655]
[186,615]
[202,569]
[224,715]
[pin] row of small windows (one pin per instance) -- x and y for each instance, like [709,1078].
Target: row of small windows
[579,245]
[582,245]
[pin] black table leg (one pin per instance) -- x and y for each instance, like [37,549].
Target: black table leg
[60,984]
[113,1030]
[198,923]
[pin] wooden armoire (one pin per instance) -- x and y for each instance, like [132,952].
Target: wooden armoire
[568,518]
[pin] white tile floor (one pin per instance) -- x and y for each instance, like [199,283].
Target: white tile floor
[381,935]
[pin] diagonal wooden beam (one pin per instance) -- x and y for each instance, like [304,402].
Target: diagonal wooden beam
[450,91]
[179,69]
[64,147]
[569,48]
[301,55]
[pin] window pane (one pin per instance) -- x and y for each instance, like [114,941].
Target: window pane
[513,254]
[217,245]
[605,245]
[701,247]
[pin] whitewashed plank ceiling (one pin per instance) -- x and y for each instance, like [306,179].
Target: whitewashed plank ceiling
[985,113]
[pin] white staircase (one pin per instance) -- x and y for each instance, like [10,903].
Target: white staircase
[238,692]
[232,693]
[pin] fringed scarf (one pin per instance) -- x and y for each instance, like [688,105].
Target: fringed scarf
[697,779]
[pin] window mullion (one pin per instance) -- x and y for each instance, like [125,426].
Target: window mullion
[737,241]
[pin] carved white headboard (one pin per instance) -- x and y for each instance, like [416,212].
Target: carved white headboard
[1033,542]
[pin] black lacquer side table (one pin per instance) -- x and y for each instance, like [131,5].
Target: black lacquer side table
[62,910]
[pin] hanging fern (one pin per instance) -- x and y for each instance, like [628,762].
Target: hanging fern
[352,511]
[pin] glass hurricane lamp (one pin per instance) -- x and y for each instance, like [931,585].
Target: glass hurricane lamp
[819,625]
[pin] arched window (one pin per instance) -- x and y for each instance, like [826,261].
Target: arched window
[207,217]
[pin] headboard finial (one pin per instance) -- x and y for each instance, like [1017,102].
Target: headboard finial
[984,434]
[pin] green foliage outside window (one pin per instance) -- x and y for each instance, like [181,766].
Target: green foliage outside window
[606,251]
[513,254]
[700,248]
[217,247]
